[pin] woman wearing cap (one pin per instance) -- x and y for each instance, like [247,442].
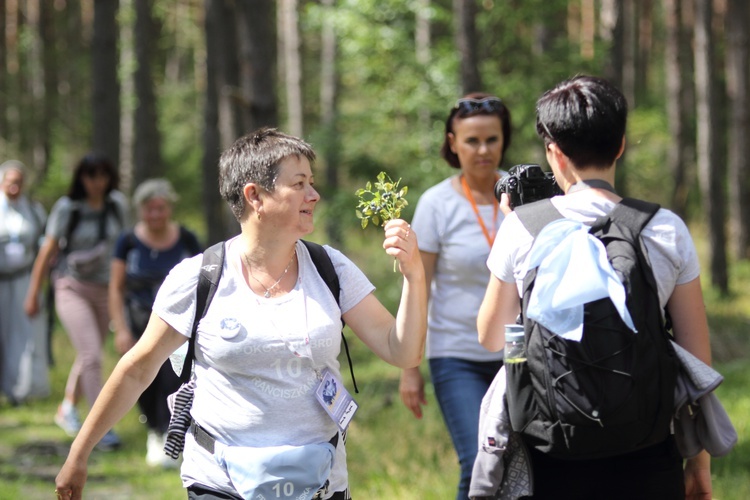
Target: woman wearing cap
[457,220]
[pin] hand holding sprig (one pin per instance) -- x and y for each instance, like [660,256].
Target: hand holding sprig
[383,204]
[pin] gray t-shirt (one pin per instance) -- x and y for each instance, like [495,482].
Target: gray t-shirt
[668,243]
[86,233]
[251,387]
[446,225]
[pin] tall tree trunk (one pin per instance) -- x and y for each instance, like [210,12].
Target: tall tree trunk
[229,85]
[329,116]
[49,67]
[738,86]
[465,34]
[3,73]
[147,161]
[645,42]
[212,203]
[292,65]
[678,157]
[422,44]
[614,31]
[39,127]
[105,84]
[711,172]
[258,63]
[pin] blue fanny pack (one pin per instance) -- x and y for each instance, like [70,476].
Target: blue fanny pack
[290,472]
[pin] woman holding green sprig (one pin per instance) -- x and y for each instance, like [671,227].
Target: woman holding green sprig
[457,220]
[266,369]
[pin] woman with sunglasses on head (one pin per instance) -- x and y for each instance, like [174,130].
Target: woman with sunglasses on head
[80,234]
[457,220]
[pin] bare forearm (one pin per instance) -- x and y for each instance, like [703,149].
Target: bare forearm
[406,342]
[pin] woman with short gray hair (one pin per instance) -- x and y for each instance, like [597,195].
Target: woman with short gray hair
[141,260]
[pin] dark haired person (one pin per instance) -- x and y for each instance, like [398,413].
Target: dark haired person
[582,122]
[457,220]
[23,340]
[269,341]
[80,235]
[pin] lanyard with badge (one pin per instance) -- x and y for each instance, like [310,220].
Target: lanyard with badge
[330,391]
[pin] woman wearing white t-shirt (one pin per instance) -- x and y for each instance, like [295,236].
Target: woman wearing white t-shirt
[456,221]
[270,338]
[582,122]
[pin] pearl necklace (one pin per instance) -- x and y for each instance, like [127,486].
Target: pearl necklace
[267,294]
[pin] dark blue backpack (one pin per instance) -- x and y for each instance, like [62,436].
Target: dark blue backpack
[612,392]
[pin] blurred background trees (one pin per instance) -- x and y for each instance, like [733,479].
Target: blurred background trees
[162,86]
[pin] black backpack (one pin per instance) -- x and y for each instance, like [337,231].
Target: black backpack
[612,392]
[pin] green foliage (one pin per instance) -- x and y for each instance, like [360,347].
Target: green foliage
[383,204]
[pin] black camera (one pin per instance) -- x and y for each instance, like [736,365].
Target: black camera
[527,183]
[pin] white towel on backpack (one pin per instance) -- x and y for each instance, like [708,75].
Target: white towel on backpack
[573,270]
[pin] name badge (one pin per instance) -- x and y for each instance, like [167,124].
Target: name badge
[336,400]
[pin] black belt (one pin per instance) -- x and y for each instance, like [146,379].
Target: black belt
[208,443]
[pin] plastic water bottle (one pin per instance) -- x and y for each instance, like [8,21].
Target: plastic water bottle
[515,344]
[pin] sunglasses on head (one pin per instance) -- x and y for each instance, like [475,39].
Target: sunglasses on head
[488,104]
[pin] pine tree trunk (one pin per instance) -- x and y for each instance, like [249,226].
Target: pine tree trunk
[711,172]
[464,13]
[105,83]
[292,65]
[147,160]
[738,86]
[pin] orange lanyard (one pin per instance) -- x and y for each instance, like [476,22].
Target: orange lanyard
[489,237]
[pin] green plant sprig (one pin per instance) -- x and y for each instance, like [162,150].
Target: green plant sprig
[381,205]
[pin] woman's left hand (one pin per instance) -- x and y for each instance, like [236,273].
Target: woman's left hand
[401,243]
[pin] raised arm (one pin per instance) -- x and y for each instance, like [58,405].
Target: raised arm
[500,306]
[400,340]
[411,383]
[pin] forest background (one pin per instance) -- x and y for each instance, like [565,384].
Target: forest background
[162,86]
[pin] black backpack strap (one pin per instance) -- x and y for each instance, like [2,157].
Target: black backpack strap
[535,216]
[326,271]
[208,281]
[633,214]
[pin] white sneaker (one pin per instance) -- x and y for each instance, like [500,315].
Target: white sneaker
[155,455]
[67,418]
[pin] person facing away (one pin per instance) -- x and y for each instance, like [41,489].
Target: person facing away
[457,220]
[141,261]
[582,122]
[81,231]
[271,335]
[23,340]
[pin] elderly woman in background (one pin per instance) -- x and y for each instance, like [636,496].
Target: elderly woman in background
[266,352]
[23,340]
[81,232]
[142,259]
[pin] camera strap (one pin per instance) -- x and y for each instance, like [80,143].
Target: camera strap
[490,237]
[591,183]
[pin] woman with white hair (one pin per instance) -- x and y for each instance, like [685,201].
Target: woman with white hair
[23,340]
[142,259]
